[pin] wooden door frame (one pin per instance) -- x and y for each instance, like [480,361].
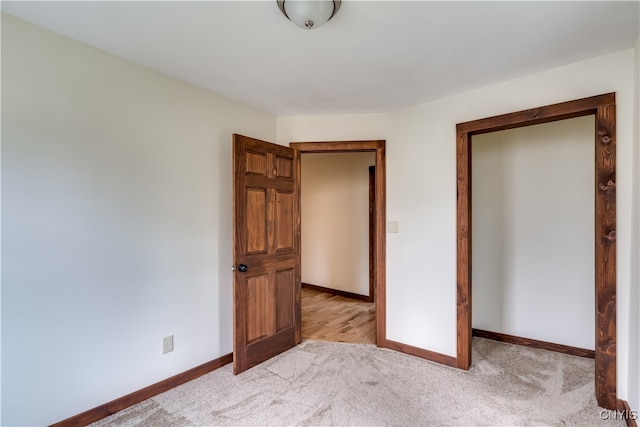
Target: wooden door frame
[372,233]
[604,109]
[377,146]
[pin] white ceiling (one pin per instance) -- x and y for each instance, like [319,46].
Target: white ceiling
[373,56]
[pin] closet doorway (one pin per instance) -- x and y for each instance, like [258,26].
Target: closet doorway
[603,108]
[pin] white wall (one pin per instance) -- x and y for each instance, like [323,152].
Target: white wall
[489,250]
[421,189]
[116,224]
[335,220]
[533,232]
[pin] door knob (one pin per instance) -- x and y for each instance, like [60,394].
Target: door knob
[242,268]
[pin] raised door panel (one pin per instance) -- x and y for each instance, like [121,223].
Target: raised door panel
[256,213]
[285,299]
[284,167]
[256,164]
[260,308]
[284,221]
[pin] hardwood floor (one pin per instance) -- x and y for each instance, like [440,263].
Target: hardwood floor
[327,317]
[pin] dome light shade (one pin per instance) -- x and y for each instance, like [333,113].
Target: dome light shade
[309,14]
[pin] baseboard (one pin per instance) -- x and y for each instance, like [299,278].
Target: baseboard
[432,356]
[625,412]
[103,411]
[527,342]
[336,292]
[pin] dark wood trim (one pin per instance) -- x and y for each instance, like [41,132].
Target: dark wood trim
[381,245]
[336,292]
[528,342]
[603,106]
[605,236]
[372,233]
[378,146]
[338,146]
[629,416]
[536,116]
[117,405]
[432,356]
[463,255]
[297,165]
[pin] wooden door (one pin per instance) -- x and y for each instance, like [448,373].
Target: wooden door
[266,250]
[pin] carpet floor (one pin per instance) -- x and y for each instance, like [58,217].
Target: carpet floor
[326,383]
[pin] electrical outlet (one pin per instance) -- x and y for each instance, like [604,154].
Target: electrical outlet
[167,344]
[393,227]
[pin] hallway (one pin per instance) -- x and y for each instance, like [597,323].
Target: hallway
[327,317]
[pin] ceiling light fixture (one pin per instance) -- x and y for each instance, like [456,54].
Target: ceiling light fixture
[309,14]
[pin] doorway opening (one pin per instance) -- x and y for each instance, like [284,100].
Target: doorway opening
[378,244]
[532,236]
[603,107]
[337,295]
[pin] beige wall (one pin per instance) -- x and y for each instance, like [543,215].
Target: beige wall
[335,220]
[116,224]
[421,189]
[533,232]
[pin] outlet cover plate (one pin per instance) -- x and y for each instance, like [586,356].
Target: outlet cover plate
[167,344]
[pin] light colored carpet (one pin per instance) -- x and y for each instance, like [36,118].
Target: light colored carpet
[325,383]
